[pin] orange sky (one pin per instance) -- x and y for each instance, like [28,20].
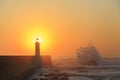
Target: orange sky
[63,25]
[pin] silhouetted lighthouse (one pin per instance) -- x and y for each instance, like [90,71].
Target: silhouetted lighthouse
[41,60]
[37,47]
[37,54]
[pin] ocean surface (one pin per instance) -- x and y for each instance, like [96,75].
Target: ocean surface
[110,71]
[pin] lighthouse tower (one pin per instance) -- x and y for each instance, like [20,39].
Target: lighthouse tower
[37,58]
[37,48]
[41,60]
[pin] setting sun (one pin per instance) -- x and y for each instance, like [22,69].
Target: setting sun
[40,35]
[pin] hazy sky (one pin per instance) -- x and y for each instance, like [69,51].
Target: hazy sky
[64,25]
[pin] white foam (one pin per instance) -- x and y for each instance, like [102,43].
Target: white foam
[84,55]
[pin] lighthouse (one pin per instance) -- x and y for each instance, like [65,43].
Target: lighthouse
[41,60]
[37,47]
[37,58]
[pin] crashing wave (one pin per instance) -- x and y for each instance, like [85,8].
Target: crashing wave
[88,56]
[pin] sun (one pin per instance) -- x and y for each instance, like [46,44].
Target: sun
[42,36]
[45,38]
